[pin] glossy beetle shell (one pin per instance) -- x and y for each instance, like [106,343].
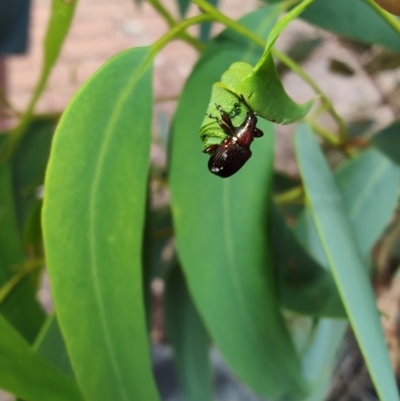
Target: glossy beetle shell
[233,152]
[228,158]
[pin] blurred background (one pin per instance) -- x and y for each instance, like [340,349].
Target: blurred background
[362,81]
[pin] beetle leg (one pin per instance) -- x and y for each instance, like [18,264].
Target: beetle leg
[226,119]
[223,123]
[210,149]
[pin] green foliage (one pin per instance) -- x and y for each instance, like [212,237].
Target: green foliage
[28,375]
[107,364]
[388,141]
[189,339]
[20,308]
[349,18]
[271,269]
[344,260]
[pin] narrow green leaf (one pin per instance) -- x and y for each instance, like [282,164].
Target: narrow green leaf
[183,6]
[93,218]
[28,168]
[62,12]
[51,346]
[221,237]
[319,360]
[368,185]
[369,174]
[20,307]
[388,141]
[304,286]
[283,23]
[350,19]
[26,374]
[61,16]
[189,339]
[345,262]
[205,29]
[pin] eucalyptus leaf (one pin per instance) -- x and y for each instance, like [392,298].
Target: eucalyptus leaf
[26,374]
[205,29]
[20,307]
[93,216]
[344,259]
[350,18]
[183,6]
[51,346]
[258,89]
[189,339]
[388,141]
[304,286]
[28,169]
[62,12]
[368,186]
[221,236]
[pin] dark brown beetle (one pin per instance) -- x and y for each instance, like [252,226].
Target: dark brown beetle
[232,153]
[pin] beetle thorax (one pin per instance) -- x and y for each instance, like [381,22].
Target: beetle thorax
[245,132]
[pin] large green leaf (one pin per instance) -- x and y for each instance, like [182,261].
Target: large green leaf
[189,339]
[93,217]
[350,19]
[388,141]
[26,374]
[345,261]
[221,236]
[20,307]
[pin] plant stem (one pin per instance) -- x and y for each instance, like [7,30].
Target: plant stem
[390,19]
[25,269]
[17,133]
[176,31]
[216,15]
[296,68]
[172,23]
[324,133]
[294,195]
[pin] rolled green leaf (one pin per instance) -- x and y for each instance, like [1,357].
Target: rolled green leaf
[243,87]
